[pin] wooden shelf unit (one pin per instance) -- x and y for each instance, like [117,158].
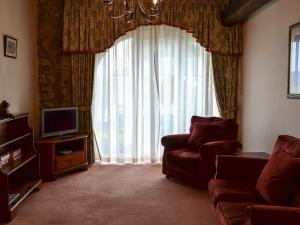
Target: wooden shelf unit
[20,176]
[53,163]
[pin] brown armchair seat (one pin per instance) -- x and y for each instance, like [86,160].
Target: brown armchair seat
[191,157]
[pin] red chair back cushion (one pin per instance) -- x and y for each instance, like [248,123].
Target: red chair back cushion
[279,179]
[230,128]
[203,133]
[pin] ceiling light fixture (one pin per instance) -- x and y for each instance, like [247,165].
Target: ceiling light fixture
[129,9]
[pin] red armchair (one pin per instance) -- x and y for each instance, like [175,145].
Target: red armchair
[246,191]
[191,157]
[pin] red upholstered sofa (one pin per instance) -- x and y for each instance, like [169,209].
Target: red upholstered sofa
[253,191]
[191,157]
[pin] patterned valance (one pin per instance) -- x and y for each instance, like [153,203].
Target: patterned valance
[88,29]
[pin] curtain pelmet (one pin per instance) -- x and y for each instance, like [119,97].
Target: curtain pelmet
[88,29]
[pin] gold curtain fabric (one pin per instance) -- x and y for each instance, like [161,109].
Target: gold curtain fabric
[82,93]
[88,29]
[226,69]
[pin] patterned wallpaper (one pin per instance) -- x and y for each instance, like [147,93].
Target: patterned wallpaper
[54,66]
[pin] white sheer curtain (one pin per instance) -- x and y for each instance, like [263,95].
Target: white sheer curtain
[148,85]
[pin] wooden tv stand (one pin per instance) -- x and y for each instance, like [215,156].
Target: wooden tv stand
[54,163]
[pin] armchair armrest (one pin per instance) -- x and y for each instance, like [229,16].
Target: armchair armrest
[272,215]
[175,141]
[210,150]
[239,168]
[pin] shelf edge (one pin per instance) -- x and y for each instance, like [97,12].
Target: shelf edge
[21,165]
[13,207]
[16,139]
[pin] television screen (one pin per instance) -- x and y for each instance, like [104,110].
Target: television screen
[59,121]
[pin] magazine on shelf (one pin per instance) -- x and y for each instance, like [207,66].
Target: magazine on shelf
[12,197]
[16,154]
[4,158]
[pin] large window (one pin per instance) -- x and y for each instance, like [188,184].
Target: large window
[148,85]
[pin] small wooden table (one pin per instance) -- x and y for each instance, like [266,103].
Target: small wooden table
[261,155]
[53,163]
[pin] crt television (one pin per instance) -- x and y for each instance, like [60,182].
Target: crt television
[59,121]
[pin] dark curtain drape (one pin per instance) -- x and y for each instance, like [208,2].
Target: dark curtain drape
[226,69]
[82,92]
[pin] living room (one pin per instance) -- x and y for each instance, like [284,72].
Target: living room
[57,63]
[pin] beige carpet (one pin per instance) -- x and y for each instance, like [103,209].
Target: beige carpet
[116,195]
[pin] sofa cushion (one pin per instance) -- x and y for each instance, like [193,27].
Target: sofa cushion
[203,133]
[232,213]
[183,157]
[283,141]
[210,120]
[229,126]
[279,178]
[235,191]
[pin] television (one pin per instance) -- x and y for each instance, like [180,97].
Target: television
[59,121]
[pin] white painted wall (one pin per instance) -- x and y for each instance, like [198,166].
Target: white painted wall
[266,112]
[18,77]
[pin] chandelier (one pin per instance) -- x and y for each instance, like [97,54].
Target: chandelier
[129,8]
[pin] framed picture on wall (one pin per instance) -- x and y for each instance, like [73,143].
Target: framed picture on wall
[10,46]
[294,62]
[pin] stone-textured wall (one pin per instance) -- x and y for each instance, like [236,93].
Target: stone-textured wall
[54,66]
